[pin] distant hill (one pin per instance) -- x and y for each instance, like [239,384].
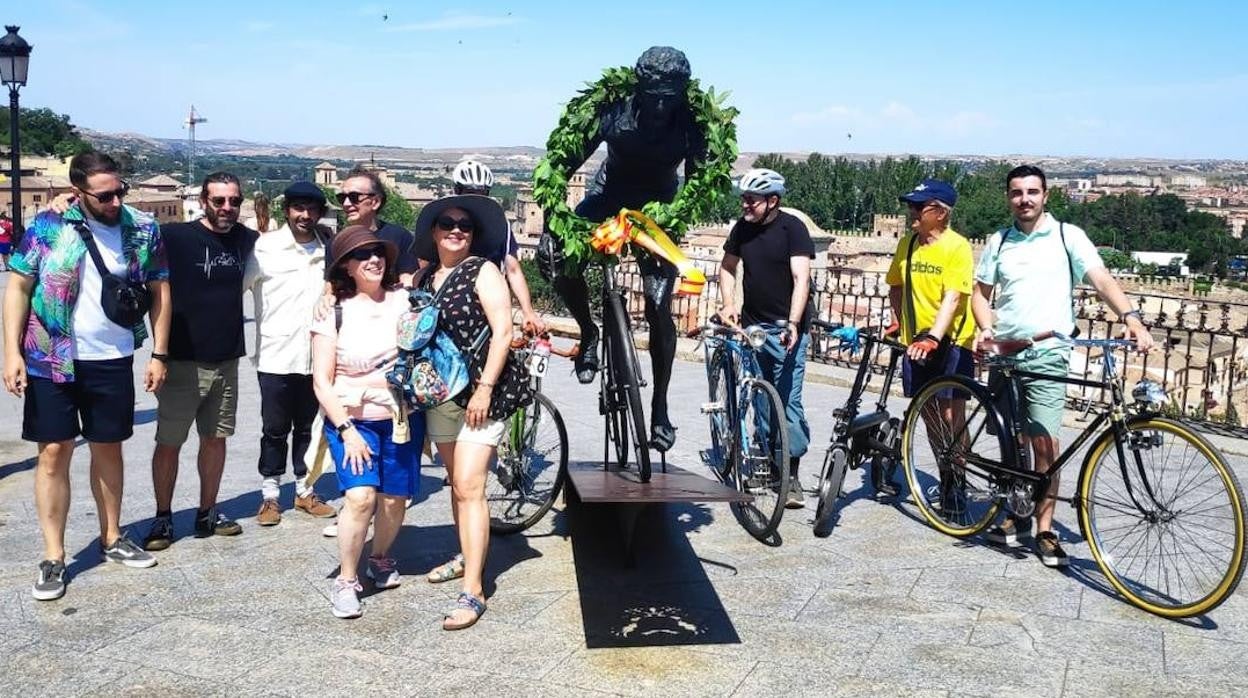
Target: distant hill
[526,157]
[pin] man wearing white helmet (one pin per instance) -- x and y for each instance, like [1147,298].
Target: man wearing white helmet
[472,177]
[775,284]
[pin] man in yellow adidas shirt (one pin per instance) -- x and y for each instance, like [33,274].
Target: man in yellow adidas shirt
[930,283]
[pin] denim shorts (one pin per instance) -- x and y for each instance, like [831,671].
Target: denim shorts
[395,469]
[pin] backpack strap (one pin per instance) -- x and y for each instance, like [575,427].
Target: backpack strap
[337,315]
[1070,267]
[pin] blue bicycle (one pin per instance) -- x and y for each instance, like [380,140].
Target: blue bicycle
[749,434]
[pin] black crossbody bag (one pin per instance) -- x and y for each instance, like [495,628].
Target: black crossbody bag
[125,303]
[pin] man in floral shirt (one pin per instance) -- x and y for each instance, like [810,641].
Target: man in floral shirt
[74,365]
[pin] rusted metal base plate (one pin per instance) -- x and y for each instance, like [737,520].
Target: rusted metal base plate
[594,484]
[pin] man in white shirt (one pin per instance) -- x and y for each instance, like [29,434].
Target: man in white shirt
[286,276]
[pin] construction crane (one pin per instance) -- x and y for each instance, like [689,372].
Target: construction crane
[189,124]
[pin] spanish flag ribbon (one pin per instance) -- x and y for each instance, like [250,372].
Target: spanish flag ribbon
[636,227]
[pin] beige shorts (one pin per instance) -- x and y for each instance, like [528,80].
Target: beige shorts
[203,393]
[445,424]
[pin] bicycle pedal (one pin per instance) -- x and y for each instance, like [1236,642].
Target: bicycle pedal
[713,407]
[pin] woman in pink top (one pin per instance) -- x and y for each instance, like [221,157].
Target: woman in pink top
[377,473]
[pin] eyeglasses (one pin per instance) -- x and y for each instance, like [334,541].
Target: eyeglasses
[363,254]
[219,201]
[447,224]
[354,196]
[106,197]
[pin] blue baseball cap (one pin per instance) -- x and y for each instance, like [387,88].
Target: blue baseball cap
[932,190]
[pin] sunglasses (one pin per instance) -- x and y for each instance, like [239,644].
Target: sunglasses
[363,254]
[355,197]
[219,201]
[447,224]
[106,197]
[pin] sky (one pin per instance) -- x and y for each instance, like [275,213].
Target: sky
[1062,78]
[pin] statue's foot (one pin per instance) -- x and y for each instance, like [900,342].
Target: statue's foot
[662,437]
[586,362]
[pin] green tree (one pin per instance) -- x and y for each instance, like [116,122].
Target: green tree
[1115,259]
[44,132]
[397,210]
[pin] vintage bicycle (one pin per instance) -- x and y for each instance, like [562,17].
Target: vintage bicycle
[749,434]
[1162,512]
[532,464]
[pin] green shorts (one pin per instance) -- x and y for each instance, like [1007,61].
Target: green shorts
[203,393]
[1043,401]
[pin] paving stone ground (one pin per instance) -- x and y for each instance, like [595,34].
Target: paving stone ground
[885,606]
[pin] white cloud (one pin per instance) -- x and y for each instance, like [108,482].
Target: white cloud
[898,112]
[454,20]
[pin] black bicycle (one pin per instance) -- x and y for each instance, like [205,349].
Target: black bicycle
[1161,510]
[874,437]
[620,384]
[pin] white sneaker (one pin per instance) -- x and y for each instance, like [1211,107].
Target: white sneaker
[330,531]
[344,596]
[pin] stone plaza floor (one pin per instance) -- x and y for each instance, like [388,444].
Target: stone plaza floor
[885,606]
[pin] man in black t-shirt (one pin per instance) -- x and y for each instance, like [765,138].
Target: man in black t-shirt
[362,197]
[776,249]
[206,263]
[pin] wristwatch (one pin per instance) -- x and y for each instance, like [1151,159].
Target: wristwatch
[1132,313]
[346,424]
[162,358]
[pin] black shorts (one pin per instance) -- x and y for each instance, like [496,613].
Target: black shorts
[98,404]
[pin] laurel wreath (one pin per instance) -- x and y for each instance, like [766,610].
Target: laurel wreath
[578,126]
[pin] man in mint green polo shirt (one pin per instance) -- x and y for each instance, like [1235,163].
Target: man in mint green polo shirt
[1034,266]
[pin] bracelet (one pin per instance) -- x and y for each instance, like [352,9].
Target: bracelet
[485,383]
[346,424]
[162,358]
[1132,313]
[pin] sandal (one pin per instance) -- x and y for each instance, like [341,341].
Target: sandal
[451,569]
[465,602]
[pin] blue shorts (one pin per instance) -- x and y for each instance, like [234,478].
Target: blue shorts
[396,467]
[960,362]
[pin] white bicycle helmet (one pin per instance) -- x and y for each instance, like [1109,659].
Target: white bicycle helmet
[471,173]
[762,182]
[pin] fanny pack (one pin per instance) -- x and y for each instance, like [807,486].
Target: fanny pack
[123,301]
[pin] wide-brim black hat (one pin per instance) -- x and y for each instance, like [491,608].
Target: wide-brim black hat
[489,239]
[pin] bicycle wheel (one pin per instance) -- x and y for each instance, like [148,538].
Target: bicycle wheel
[529,472]
[722,415]
[835,463]
[627,384]
[615,415]
[944,449]
[1167,526]
[762,458]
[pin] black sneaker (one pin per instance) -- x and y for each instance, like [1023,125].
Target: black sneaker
[1009,531]
[1049,552]
[662,437]
[212,523]
[50,584]
[880,471]
[125,552]
[161,534]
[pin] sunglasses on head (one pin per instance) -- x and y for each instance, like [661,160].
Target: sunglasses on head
[219,201]
[447,224]
[363,254]
[106,197]
[354,196]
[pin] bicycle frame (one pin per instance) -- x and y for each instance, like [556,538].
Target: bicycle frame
[1113,417]
[727,342]
[847,424]
[611,391]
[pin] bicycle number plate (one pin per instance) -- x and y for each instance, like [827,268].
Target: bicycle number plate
[538,364]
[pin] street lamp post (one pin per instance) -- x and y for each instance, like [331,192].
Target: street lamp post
[14,62]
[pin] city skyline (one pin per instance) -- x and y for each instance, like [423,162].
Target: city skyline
[961,78]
